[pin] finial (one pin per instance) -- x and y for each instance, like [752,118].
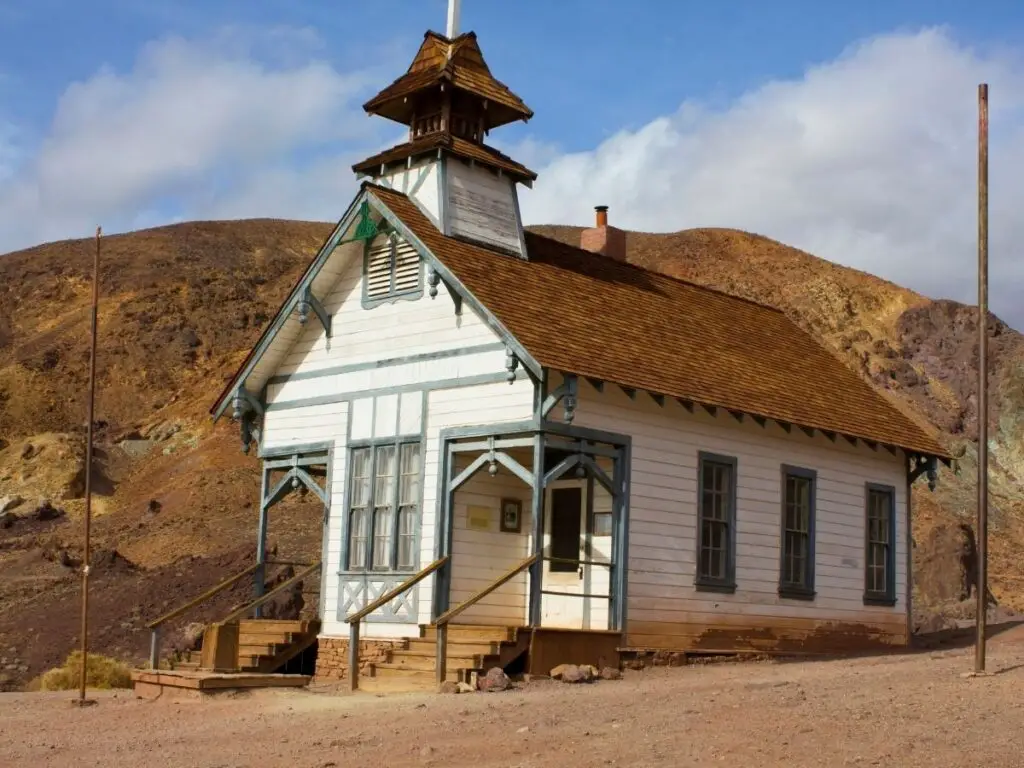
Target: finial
[453,18]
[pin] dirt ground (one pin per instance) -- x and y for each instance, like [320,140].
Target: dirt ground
[915,709]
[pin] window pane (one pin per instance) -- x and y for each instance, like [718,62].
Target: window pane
[409,483]
[407,537]
[383,523]
[384,477]
[357,539]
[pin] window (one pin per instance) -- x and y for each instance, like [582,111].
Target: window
[384,507]
[391,271]
[716,562]
[880,554]
[797,567]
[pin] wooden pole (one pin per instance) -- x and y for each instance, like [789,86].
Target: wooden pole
[82,701]
[982,585]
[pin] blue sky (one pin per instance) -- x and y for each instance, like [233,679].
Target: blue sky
[842,128]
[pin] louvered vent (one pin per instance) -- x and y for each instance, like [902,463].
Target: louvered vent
[392,269]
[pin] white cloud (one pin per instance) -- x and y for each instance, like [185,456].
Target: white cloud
[193,122]
[869,160]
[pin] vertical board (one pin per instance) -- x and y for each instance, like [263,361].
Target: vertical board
[482,206]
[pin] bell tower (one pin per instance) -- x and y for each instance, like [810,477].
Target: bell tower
[450,102]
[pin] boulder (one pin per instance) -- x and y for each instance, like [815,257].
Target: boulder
[494,680]
[7,503]
[46,511]
[611,673]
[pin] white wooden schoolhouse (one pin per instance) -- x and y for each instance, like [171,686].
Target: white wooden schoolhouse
[550,450]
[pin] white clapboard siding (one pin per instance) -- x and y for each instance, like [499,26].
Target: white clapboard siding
[389,330]
[482,206]
[662,603]
[421,183]
[466,406]
[481,556]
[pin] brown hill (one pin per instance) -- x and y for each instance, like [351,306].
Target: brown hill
[176,500]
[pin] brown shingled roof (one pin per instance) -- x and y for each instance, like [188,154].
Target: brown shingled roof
[466,70]
[586,314]
[454,145]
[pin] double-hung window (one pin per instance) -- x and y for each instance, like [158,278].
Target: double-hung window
[716,522]
[880,543]
[384,506]
[797,558]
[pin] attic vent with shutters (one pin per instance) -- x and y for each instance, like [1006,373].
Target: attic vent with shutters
[391,272]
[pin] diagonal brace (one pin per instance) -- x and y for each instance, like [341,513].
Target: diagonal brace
[308,302]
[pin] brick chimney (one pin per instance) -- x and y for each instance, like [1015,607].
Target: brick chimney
[608,241]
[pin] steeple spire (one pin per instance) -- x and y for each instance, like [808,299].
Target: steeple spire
[454,6]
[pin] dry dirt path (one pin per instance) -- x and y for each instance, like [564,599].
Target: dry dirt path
[910,710]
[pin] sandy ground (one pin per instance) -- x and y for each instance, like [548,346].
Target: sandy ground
[908,710]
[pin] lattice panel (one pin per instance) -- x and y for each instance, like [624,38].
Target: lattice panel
[359,590]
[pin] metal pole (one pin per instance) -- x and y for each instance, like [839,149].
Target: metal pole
[88,469]
[982,586]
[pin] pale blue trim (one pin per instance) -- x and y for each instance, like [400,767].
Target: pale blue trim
[370,365]
[426,386]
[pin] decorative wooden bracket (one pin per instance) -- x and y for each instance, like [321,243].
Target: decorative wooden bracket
[246,408]
[433,280]
[511,364]
[567,394]
[924,465]
[309,301]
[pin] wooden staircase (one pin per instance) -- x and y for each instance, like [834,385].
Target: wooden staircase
[472,650]
[264,645]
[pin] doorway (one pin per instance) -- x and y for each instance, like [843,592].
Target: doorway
[565,542]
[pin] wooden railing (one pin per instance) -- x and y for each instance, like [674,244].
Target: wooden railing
[154,626]
[442,621]
[356,618]
[283,586]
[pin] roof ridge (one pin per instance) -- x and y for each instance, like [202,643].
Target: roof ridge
[665,275]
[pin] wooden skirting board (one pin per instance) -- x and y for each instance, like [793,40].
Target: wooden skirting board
[151,684]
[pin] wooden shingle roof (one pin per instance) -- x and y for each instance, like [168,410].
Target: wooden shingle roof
[454,145]
[465,70]
[582,313]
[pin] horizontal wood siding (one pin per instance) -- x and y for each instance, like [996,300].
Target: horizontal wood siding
[481,556]
[482,206]
[466,406]
[665,610]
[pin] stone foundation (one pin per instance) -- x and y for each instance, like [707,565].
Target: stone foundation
[332,656]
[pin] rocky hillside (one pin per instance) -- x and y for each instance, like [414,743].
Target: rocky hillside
[175,503]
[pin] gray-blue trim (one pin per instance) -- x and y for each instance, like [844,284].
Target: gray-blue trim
[887,598]
[519,221]
[290,450]
[444,204]
[787,589]
[426,386]
[451,280]
[289,305]
[704,583]
[370,365]
[324,544]
[309,301]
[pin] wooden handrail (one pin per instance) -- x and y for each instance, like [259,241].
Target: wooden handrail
[355,619]
[204,597]
[240,612]
[406,585]
[451,613]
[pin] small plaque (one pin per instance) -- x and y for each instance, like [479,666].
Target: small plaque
[511,515]
[478,518]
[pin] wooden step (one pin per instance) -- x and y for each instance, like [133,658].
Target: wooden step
[478,632]
[386,670]
[277,625]
[267,638]
[430,662]
[456,647]
[261,649]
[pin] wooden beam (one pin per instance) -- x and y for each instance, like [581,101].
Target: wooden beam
[809,431]
[710,409]
[597,384]
[685,403]
[659,399]
[871,444]
[851,440]
[738,415]
[761,420]
[830,435]
[629,392]
[889,448]
[786,426]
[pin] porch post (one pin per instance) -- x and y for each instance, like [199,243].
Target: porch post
[261,540]
[620,522]
[537,510]
[442,579]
